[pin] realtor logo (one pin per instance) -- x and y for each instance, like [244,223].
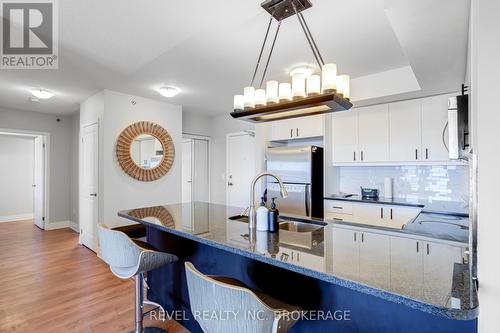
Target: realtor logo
[29,34]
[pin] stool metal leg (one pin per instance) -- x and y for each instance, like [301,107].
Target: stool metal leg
[139,308]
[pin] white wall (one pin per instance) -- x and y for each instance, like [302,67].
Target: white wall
[118,191]
[485,71]
[75,135]
[196,124]
[16,177]
[59,154]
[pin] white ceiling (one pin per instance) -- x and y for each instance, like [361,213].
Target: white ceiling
[209,48]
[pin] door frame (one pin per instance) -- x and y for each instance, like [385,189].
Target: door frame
[80,176]
[46,174]
[187,136]
[229,135]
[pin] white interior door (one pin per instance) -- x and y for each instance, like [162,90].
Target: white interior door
[240,165]
[200,171]
[39,182]
[187,170]
[89,185]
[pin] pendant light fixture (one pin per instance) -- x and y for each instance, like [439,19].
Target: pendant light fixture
[307,93]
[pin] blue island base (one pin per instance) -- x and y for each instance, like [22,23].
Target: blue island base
[351,310]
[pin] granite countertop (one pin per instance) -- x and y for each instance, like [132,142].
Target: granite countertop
[436,206]
[216,226]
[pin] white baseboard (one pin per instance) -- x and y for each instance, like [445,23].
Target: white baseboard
[17,217]
[57,225]
[75,226]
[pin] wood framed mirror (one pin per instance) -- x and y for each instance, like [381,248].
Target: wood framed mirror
[145,151]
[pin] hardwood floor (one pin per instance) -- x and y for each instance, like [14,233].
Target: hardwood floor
[50,283]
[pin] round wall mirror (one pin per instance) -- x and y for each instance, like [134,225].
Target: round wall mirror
[145,151]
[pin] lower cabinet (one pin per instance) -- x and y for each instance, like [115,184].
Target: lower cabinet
[407,274]
[301,258]
[392,216]
[408,266]
[362,257]
[423,269]
[374,260]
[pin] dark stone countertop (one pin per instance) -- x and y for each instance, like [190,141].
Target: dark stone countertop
[210,224]
[438,207]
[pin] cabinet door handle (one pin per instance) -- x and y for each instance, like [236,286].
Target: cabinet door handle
[354,236]
[291,132]
[297,131]
[362,238]
[428,250]
[391,213]
[416,154]
[417,247]
[355,156]
[381,213]
[337,207]
[362,157]
[426,153]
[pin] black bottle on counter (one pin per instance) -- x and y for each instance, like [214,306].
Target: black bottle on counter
[273,217]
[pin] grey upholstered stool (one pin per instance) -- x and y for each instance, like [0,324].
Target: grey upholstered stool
[131,258]
[244,310]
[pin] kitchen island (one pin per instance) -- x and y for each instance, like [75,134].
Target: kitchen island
[323,268]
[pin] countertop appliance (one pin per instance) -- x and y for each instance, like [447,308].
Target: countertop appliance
[301,170]
[369,193]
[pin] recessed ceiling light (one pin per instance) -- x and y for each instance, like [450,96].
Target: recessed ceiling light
[307,71]
[168,91]
[42,93]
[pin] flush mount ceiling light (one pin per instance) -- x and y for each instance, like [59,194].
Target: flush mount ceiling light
[41,93]
[307,94]
[168,91]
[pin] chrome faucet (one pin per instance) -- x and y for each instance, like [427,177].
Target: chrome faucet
[252,223]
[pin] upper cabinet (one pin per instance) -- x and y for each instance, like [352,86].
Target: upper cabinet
[408,131]
[405,130]
[297,128]
[345,140]
[434,119]
[373,133]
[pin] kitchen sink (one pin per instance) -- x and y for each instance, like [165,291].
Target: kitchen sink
[296,226]
[295,231]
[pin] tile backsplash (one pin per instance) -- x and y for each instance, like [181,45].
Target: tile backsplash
[431,183]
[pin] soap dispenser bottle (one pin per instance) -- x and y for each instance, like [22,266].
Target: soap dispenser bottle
[273,217]
[262,216]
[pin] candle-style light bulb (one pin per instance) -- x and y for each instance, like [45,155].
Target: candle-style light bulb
[249,95]
[344,82]
[239,103]
[260,97]
[272,92]
[313,85]
[285,92]
[298,85]
[329,78]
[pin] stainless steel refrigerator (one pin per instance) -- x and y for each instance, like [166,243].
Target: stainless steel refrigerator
[301,170]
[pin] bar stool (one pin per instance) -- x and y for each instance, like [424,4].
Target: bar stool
[132,258]
[244,310]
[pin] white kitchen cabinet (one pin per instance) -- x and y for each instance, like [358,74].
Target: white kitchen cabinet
[297,128]
[397,216]
[368,213]
[345,136]
[402,132]
[407,275]
[373,133]
[346,253]
[439,260]
[375,260]
[382,215]
[405,131]
[434,119]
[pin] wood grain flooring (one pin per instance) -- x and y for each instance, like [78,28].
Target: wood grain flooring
[50,283]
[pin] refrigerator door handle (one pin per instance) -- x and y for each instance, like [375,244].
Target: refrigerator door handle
[308,200]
